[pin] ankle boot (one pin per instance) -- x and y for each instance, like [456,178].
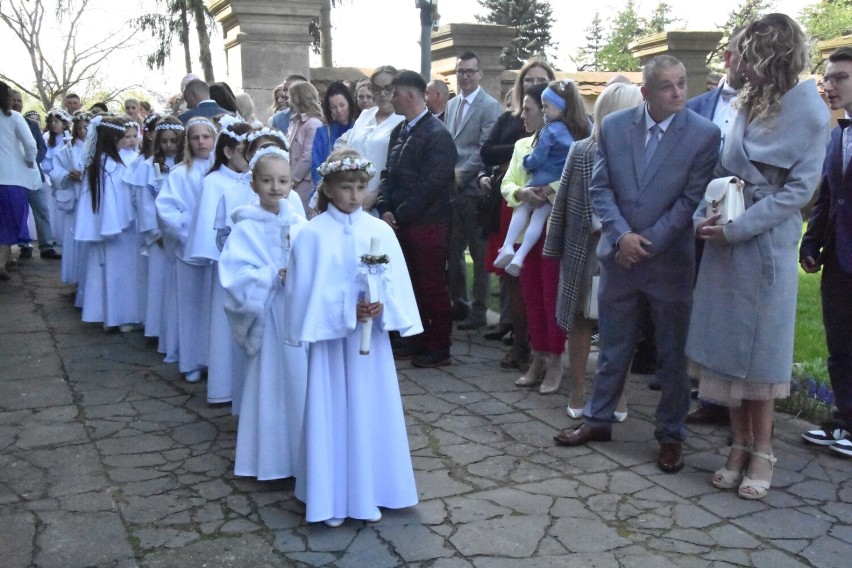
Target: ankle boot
[534,374]
[553,375]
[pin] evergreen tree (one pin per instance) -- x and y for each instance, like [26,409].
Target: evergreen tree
[587,56]
[531,20]
[826,19]
[661,19]
[173,19]
[627,26]
[746,12]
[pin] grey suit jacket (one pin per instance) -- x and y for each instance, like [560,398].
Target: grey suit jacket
[471,134]
[656,202]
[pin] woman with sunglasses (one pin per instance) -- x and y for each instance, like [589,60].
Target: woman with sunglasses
[370,134]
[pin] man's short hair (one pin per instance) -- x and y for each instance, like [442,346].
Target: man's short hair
[294,77]
[439,86]
[199,88]
[649,72]
[72,96]
[468,55]
[840,54]
[410,80]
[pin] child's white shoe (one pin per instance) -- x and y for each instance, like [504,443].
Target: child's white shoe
[504,257]
[193,376]
[514,267]
[333,522]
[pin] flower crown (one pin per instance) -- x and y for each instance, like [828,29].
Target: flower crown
[347,164]
[83,115]
[196,120]
[154,116]
[267,132]
[169,126]
[59,113]
[269,150]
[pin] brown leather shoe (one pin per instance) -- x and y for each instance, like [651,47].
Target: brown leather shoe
[671,457]
[708,415]
[581,435]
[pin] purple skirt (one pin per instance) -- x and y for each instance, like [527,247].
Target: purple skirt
[14,208]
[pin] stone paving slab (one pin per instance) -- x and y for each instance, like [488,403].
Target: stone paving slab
[107,458]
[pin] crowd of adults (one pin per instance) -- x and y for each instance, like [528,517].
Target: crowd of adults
[628,216]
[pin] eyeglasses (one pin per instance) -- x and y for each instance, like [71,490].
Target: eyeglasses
[467,72]
[379,90]
[536,80]
[835,79]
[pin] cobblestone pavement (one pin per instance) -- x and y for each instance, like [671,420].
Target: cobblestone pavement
[108,458]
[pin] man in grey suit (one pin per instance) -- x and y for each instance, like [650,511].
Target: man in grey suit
[653,164]
[469,118]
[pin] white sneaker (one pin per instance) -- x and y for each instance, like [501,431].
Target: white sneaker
[843,446]
[828,435]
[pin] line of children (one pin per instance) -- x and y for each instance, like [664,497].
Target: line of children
[293,294]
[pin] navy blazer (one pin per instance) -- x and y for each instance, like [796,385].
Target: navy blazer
[207,109]
[41,147]
[705,103]
[830,223]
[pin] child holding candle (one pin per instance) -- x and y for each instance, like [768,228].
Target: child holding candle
[354,450]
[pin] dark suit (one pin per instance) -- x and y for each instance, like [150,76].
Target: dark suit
[829,241]
[705,103]
[208,109]
[657,202]
[416,187]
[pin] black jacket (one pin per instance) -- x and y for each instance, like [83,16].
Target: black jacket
[419,179]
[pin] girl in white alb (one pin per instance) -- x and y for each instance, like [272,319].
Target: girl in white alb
[66,177]
[251,270]
[176,205]
[106,220]
[226,359]
[354,451]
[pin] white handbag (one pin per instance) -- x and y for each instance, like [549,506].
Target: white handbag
[724,196]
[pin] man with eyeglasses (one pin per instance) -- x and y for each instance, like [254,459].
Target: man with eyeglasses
[281,119]
[827,244]
[469,118]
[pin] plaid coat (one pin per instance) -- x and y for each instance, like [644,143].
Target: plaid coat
[572,237]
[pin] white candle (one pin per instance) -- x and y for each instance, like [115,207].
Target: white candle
[367,326]
[157,171]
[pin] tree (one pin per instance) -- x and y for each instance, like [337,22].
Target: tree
[531,20]
[587,56]
[826,19]
[171,19]
[320,32]
[80,61]
[615,54]
[661,19]
[746,12]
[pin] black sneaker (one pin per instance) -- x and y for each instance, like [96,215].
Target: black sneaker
[828,435]
[843,446]
[26,253]
[49,254]
[431,359]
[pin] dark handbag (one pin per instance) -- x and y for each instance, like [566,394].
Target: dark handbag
[490,204]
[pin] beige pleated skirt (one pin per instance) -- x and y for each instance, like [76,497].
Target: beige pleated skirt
[730,391]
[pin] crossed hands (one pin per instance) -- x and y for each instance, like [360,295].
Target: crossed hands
[366,311]
[632,249]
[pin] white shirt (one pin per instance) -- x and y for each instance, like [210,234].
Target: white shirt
[724,113]
[649,122]
[464,108]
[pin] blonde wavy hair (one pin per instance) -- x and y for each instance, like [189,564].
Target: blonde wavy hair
[305,99]
[777,49]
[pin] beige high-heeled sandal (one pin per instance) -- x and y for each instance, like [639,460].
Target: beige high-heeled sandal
[552,376]
[760,487]
[535,373]
[725,478]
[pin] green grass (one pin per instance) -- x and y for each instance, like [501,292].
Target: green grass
[809,350]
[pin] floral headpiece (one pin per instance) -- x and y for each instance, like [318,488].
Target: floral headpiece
[169,126]
[30,113]
[347,164]
[196,120]
[83,115]
[226,121]
[269,150]
[150,119]
[268,132]
[59,113]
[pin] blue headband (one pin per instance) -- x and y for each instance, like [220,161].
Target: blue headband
[550,96]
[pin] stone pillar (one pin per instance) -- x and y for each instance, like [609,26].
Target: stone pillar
[691,48]
[825,47]
[485,40]
[265,40]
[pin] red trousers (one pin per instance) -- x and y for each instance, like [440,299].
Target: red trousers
[539,285]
